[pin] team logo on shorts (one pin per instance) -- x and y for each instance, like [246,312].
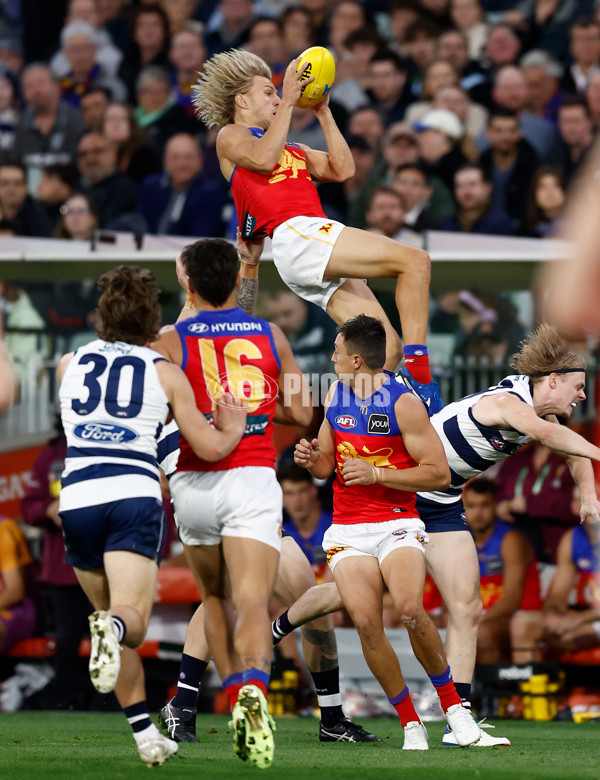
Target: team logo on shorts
[332,551]
[420,539]
[346,421]
[399,534]
[327,228]
[379,423]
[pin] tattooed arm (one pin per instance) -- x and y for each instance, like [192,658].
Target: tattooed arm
[250,252]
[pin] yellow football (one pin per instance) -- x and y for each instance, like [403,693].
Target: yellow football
[321,65]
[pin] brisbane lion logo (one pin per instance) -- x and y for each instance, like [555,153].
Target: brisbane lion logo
[289,166]
[378,458]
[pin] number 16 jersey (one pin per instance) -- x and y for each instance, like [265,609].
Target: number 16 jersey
[113,409]
[228,350]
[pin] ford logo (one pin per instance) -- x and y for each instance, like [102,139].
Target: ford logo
[104,432]
[345,421]
[198,327]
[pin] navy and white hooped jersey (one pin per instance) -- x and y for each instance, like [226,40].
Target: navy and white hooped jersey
[471,447]
[168,448]
[113,409]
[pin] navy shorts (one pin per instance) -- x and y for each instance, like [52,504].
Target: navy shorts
[442,517]
[133,524]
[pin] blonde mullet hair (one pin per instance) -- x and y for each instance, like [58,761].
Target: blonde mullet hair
[224,76]
[545,351]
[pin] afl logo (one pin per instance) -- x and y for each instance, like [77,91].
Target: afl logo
[198,327]
[345,421]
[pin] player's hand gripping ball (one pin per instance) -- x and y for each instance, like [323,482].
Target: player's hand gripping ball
[321,65]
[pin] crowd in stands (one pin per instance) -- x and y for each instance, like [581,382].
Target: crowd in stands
[470,116]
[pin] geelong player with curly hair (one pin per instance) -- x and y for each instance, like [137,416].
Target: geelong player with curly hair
[320,259]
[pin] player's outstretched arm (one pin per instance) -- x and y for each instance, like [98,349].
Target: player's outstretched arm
[208,442]
[508,411]
[423,445]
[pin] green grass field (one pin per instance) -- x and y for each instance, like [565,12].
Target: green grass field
[81,745]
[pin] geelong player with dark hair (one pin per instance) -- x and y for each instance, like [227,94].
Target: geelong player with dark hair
[379,440]
[115,396]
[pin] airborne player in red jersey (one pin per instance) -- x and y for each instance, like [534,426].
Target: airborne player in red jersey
[320,259]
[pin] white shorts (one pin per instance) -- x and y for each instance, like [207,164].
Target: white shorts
[245,502]
[376,540]
[301,249]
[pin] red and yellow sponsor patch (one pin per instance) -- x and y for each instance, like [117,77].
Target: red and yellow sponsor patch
[332,551]
[327,228]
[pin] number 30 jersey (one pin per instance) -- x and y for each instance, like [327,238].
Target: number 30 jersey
[113,409]
[229,350]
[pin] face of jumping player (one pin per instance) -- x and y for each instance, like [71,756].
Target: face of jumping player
[480,510]
[567,392]
[262,101]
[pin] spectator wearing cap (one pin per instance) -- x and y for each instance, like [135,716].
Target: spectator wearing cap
[149,45]
[186,55]
[55,186]
[510,91]
[509,164]
[112,193]
[584,48]
[156,110]
[576,136]
[411,181]
[440,133]
[108,56]
[80,45]
[9,115]
[542,73]
[475,213]
[48,130]
[388,92]
[182,201]
[20,214]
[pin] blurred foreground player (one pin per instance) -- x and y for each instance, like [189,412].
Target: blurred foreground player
[115,395]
